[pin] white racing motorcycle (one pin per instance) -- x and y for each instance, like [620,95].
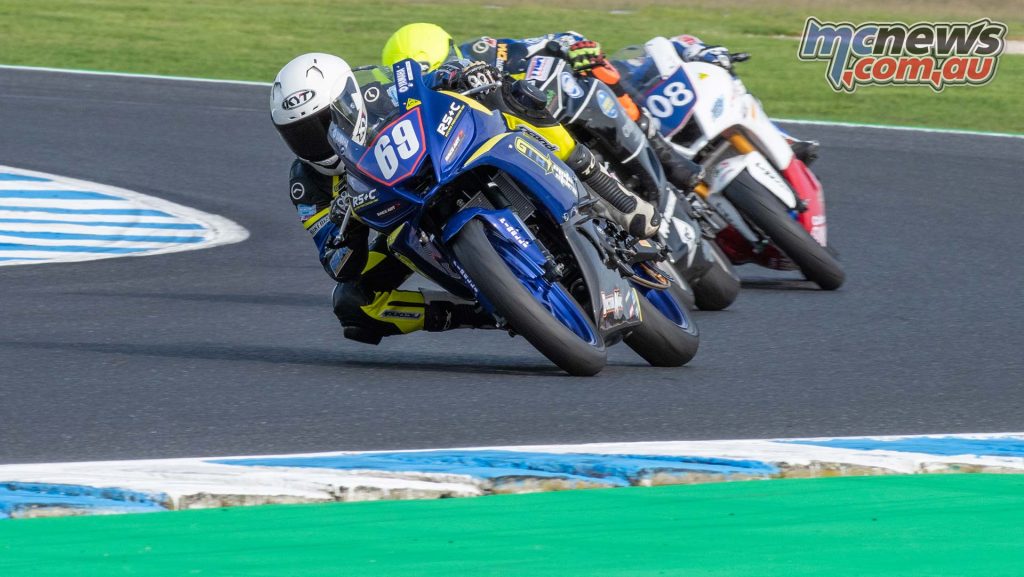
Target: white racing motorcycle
[773,204]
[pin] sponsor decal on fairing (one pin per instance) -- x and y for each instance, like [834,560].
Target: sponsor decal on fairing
[544,161]
[444,128]
[514,231]
[570,86]
[607,104]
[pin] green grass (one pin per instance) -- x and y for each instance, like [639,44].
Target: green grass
[900,526]
[252,40]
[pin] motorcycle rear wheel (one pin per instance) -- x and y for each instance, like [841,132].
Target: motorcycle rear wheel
[719,286]
[668,336]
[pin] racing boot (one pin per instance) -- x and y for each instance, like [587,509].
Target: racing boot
[349,298]
[805,150]
[368,317]
[444,312]
[634,214]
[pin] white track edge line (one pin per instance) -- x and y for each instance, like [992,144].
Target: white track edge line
[254,83]
[131,75]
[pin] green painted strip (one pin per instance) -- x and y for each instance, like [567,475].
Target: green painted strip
[934,525]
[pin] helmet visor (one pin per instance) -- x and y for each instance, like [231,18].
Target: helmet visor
[348,106]
[308,137]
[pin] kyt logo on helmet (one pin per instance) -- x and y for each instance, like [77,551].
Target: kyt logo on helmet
[297,99]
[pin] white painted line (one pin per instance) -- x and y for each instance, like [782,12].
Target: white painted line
[73,218]
[42,243]
[132,75]
[50,256]
[31,185]
[903,128]
[64,203]
[79,228]
[267,84]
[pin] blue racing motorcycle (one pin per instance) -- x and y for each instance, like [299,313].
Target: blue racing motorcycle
[480,204]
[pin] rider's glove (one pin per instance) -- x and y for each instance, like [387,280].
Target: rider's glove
[718,55]
[480,74]
[586,55]
[339,210]
[463,76]
[446,76]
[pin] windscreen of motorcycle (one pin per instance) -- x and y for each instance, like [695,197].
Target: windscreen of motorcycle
[365,104]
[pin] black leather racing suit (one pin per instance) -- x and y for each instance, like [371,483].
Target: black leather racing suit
[367,300]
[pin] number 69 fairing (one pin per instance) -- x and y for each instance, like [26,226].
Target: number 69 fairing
[492,214]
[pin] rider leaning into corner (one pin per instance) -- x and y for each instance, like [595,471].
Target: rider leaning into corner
[435,50]
[693,49]
[366,299]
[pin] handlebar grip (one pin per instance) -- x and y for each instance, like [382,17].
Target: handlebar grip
[739,57]
[555,49]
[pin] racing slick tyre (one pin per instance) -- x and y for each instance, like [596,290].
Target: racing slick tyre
[686,292]
[525,314]
[762,209]
[668,336]
[718,287]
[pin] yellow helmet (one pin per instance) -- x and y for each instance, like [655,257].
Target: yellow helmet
[425,43]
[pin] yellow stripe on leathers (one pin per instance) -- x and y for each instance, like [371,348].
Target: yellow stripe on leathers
[309,222]
[373,259]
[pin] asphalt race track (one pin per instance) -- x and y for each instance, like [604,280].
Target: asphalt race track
[234,350]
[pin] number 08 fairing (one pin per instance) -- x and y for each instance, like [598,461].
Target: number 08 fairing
[772,202]
[488,213]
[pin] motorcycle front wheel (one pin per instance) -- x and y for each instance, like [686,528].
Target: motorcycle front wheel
[542,312]
[765,211]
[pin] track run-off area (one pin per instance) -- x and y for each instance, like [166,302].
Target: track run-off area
[234,350]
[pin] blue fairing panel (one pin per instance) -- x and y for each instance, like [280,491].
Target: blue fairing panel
[554,188]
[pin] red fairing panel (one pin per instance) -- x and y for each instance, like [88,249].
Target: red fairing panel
[809,190]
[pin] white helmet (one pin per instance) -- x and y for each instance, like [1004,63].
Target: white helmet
[300,106]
